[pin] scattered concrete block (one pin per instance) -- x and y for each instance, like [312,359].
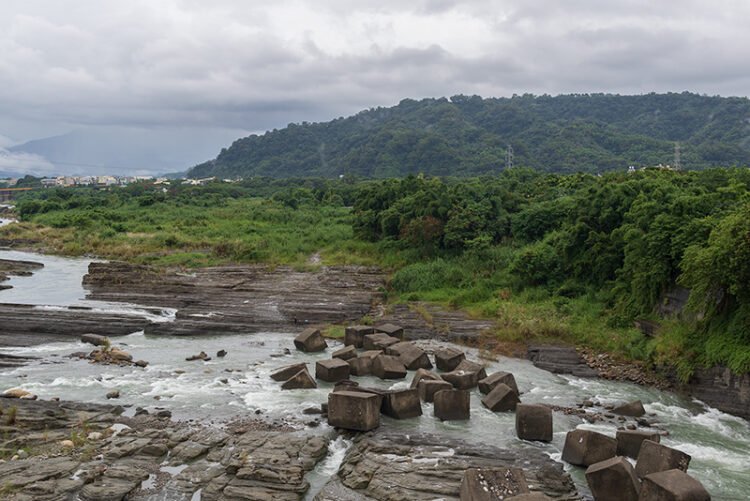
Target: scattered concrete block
[632,409]
[452,405]
[629,441]
[653,458]
[672,485]
[428,388]
[360,366]
[332,370]
[301,380]
[447,359]
[487,384]
[424,374]
[492,484]
[613,480]
[411,355]
[378,341]
[501,399]
[354,410]
[345,353]
[346,385]
[392,330]
[469,366]
[402,404]
[586,447]
[534,422]
[354,335]
[286,372]
[310,340]
[388,367]
[461,380]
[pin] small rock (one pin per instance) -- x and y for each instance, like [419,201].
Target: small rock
[200,356]
[113,394]
[140,363]
[68,444]
[94,435]
[22,454]
[16,393]
[221,353]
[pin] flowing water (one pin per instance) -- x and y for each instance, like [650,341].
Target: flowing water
[239,384]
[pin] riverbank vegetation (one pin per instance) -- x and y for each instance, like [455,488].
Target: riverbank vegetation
[573,258]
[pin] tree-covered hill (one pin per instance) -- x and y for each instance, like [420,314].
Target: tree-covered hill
[469,135]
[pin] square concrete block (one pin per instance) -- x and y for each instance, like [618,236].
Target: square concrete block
[586,447]
[501,399]
[388,367]
[461,380]
[392,330]
[632,409]
[354,335]
[629,441]
[345,353]
[353,410]
[613,480]
[428,388]
[487,384]
[469,366]
[332,370]
[534,422]
[672,485]
[452,405]
[378,341]
[286,372]
[402,404]
[447,359]
[360,366]
[424,374]
[310,340]
[653,458]
[492,484]
[411,355]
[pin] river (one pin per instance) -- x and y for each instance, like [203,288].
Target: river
[238,384]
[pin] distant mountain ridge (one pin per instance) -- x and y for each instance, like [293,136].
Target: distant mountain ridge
[469,135]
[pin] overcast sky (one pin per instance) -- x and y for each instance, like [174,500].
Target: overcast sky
[251,65]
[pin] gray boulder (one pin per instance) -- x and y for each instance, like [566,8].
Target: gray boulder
[631,409]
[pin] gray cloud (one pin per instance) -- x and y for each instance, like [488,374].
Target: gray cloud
[256,65]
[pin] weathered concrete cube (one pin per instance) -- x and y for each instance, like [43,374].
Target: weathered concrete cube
[310,340]
[448,358]
[424,374]
[286,372]
[461,380]
[492,484]
[469,366]
[392,330]
[452,405]
[428,388]
[653,458]
[411,355]
[346,385]
[360,366]
[629,441]
[487,384]
[534,422]
[501,399]
[632,409]
[345,353]
[301,380]
[354,335]
[586,447]
[402,404]
[378,341]
[388,367]
[332,370]
[354,410]
[613,480]
[672,485]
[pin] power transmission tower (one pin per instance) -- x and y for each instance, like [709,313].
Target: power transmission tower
[677,164]
[509,157]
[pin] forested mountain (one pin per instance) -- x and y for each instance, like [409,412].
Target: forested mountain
[469,135]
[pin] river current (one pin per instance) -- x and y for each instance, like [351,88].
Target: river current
[239,384]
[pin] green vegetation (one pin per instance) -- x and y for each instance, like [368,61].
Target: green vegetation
[571,258]
[468,136]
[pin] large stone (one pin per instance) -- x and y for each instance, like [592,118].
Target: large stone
[345,353]
[411,355]
[120,355]
[95,339]
[379,341]
[492,484]
[354,335]
[613,480]
[392,330]
[586,447]
[469,366]
[672,485]
[286,372]
[402,404]
[16,393]
[354,410]
[461,380]
[332,370]
[428,388]
[447,359]
[452,405]
[487,384]
[360,366]
[310,340]
[629,441]
[301,380]
[534,422]
[388,367]
[501,399]
[632,409]
[424,374]
[653,458]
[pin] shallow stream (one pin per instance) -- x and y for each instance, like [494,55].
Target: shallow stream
[238,385]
